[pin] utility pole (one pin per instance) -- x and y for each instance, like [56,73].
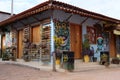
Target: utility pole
[11,7]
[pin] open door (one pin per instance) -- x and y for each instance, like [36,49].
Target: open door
[76,40]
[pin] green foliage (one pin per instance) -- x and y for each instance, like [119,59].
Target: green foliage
[5,56]
[86,44]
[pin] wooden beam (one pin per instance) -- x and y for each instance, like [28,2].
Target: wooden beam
[98,22]
[27,23]
[68,17]
[84,21]
[22,23]
[35,18]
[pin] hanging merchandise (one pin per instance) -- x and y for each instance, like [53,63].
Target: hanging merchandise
[45,43]
[26,43]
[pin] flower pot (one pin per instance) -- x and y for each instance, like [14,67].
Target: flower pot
[58,62]
[86,58]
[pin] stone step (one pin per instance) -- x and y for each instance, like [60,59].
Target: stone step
[79,65]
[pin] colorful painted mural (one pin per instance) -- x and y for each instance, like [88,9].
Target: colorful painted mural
[100,43]
[8,40]
[91,34]
[62,35]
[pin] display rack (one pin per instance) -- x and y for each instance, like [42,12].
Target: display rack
[14,43]
[45,47]
[35,52]
[26,43]
[27,33]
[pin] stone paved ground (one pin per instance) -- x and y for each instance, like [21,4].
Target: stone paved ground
[13,72]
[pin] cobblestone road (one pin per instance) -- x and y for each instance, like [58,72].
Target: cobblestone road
[13,72]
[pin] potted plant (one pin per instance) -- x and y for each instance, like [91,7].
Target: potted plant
[5,56]
[86,48]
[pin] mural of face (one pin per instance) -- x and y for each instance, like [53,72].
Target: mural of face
[100,43]
[63,34]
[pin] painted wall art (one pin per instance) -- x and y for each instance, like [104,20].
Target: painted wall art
[62,35]
[8,40]
[91,31]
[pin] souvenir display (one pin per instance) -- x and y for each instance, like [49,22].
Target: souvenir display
[45,43]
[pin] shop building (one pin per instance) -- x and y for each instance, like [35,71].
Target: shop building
[3,16]
[40,30]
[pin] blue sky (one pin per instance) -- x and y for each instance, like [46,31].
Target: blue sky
[106,7]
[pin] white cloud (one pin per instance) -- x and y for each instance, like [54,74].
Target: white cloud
[22,5]
[19,5]
[4,5]
[106,7]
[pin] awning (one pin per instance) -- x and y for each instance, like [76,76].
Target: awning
[116,32]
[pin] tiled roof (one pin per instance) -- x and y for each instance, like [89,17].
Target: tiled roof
[60,6]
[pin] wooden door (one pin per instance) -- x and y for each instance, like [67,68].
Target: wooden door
[36,36]
[20,44]
[112,46]
[76,40]
[3,43]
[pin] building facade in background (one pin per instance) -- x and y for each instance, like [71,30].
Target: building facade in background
[3,16]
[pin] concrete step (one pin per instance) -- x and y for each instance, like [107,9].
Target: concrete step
[85,66]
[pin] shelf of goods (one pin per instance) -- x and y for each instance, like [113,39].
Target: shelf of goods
[45,47]
[35,53]
[26,44]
